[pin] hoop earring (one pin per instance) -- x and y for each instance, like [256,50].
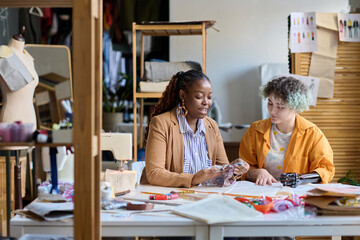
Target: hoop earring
[183,108]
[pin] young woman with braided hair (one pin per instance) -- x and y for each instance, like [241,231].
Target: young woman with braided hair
[181,141]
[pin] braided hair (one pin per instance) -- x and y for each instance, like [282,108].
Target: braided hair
[170,97]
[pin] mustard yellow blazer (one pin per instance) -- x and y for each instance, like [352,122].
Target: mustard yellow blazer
[164,153]
[308,149]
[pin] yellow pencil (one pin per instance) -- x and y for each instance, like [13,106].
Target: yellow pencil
[228,194]
[152,193]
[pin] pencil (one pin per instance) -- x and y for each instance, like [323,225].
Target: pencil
[228,194]
[152,193]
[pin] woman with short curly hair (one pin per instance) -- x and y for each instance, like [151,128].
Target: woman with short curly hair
[182,143]
[286,142]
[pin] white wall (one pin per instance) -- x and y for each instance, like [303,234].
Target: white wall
[252,32]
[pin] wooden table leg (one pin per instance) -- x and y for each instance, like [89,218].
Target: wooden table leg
[34,173]
[8,192]
[17,182]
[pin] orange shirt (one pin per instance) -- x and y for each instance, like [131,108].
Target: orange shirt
[308,149]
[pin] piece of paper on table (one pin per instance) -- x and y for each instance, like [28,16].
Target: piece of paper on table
[338,188]
[245,188]
[303,36]
[51,211]
[218,209]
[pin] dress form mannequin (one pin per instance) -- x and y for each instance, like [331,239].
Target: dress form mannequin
[18,105]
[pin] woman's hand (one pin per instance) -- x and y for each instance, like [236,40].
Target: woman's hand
[261,177]
[241,168]
[204,175]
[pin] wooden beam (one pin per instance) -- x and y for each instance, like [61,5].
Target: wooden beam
[134,89]
[87,71]
[98,111]
[36,3]
[204,48]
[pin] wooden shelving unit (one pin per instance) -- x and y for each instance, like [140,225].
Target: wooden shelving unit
[87,76]
[160,29]
[33,144]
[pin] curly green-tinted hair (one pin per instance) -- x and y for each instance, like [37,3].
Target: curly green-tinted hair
[296,95]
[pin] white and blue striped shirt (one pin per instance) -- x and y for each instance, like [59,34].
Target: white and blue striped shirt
[195,148]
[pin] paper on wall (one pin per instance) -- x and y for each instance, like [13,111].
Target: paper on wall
[323,62]
[268,72]
[327,20]
[272,71]
[303,36]
[312,83]
[349,27]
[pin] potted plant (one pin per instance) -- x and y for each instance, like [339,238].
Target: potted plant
[114,100]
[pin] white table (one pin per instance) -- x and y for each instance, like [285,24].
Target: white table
[172,225]
[178,226]
[118,226]
[319,226]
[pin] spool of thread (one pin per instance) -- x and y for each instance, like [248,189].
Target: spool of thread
[284,192]
[15,132]
[282,205]
[164,197]
[5,131]
[106,193]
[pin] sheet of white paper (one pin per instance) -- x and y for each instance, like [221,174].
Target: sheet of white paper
[269,71]
[303,37]
[311,82]
[338,188]
[52,211]
[246,188]
[43,208]
[218,209]
[349,27]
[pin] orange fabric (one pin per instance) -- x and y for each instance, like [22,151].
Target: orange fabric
[308,149]
[164,153]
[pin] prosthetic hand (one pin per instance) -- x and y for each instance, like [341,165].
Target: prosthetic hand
[294,179]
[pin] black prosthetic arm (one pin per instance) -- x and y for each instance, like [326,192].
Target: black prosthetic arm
[294,179]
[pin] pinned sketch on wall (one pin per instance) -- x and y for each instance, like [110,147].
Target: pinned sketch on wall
[349,27]
[270,71]
[311,82]
[303,37]
[4,22]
